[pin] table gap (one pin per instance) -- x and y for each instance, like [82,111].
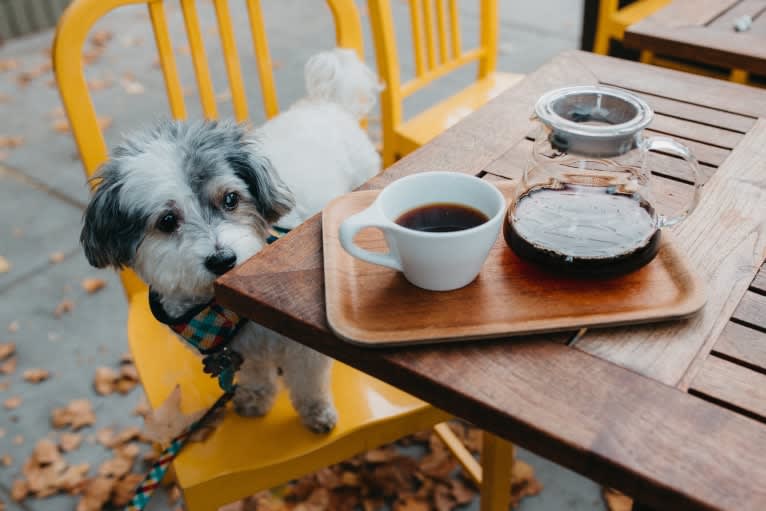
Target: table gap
[727,405]
[747,324]
[738,361]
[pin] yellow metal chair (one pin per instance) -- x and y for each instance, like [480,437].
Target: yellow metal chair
[614,20]
[244,455]
[436,40]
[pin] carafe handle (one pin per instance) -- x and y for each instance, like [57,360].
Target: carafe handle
[670,146]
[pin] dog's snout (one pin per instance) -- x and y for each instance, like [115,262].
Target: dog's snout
[221,262]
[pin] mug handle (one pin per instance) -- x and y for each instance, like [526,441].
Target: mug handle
[370,217]
[668,145]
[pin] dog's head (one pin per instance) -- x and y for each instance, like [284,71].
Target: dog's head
[181,204]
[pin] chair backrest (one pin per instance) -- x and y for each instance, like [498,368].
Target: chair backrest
[68,63]
[436,46]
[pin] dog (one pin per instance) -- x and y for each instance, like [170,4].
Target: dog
[184,202]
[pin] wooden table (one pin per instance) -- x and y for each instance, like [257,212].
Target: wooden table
[703,31]
[672,413]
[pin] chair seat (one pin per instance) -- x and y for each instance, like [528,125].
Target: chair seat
[247,453]
[426,125]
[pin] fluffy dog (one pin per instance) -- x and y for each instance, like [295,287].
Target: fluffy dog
[182,203]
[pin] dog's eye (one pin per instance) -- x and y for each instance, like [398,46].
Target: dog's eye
[230,201]
[168,222]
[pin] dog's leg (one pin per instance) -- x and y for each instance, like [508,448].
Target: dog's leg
[307,376]
[256,387]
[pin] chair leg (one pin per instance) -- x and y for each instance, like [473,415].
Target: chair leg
[496,462]
[459,451]
[647,57]
[739,76]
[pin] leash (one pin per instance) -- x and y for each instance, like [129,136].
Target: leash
[208,328]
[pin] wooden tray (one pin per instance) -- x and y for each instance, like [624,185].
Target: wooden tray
[376,306]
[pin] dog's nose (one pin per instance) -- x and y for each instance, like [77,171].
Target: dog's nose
[221,262]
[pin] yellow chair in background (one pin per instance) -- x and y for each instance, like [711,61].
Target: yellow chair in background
[244,456]
[437,49]
[613,20]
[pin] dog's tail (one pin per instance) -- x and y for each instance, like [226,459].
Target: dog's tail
[339,76]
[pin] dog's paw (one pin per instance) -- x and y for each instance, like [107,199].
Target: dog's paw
[319,417]
[253,402]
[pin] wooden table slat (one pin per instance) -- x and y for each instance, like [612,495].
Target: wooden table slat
[750,8]
[733,386]
[668,83]
[707,154]
[752,310]
[710,135]
[759,282]
[698,12]
[696,113]
[742,344]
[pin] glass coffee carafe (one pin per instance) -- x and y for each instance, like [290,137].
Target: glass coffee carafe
[584,206]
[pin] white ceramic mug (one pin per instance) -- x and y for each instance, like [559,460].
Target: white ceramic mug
[438,261]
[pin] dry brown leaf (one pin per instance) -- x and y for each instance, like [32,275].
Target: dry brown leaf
[11,142]
[104,380]
[615,500]
[77,414]
[6,460]
[91,55]
[8,65]
[72,478]
[9,366]
[411,503]
[168,421]
[36,375]
[126,435]
[5,265]
[142,409]
[115,468]
[381,455]
[69,441]
[104,436]
[56,257]
[7,349]
[125,488]
[12,402]
[19,490]
[65,306]
[100,38]
[183,49]
[92,285]
[13,327]
[18,440]
[96,493]
[104,122]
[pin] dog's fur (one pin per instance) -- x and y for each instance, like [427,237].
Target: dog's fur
[283,173]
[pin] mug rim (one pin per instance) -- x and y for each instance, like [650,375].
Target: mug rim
[442,235]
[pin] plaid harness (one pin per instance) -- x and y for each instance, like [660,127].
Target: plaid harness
[209,328]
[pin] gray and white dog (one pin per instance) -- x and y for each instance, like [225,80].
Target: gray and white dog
[182,203]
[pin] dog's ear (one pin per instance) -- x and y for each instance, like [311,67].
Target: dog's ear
[110,233]
[271,195]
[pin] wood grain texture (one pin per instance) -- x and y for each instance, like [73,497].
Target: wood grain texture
[615,426]
[376,306]
[725,239]
[752,310]
[687,29]
[732,385]
[759,282]
[742,344]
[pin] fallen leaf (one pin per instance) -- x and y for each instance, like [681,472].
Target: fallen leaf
[4,385]
[92,285]
[104,436]
[168,421]
[77,414]
[615,500]
[100,38]
[6,460]
[36,375]
[11,142]
[142,409]
[18,440]
[13,327]
[115,468]
[8,65]
[96,493]
[104,122]
[7,349]
[125,488]
[91,55]
[12,402]
[19,490]
[69,441]
[9,366]
[104,380]
[5,266]
[56,257]
[126,435]
[65,306]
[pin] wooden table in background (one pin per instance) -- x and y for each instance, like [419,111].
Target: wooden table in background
[672,413]
[703,31]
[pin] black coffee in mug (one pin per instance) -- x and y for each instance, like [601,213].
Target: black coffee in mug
[441,217]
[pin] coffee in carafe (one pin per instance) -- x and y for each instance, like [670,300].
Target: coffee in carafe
[584,206]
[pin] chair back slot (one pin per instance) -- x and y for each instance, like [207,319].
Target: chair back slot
[199,59]
[167,60]
[231,59]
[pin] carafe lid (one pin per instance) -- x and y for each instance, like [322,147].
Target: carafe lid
[593,120]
